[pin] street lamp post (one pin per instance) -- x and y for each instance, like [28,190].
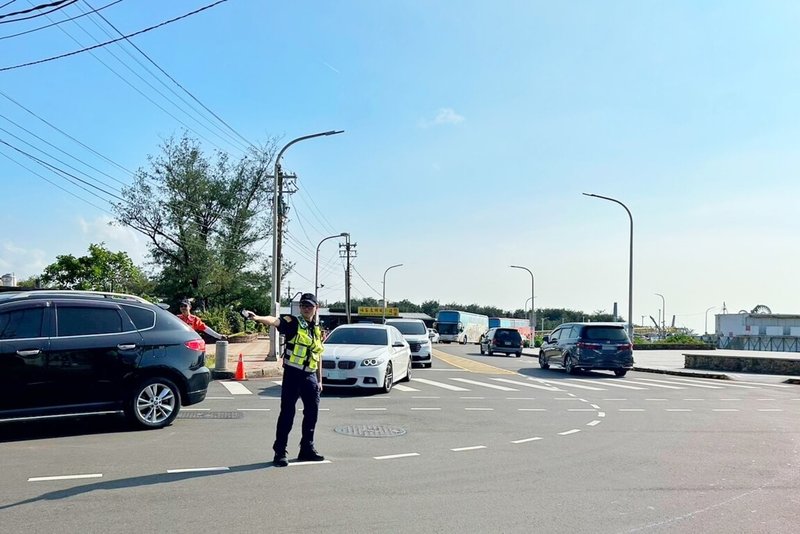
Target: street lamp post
[383,297]
[663,314]
[533,312]
[316,264]
[276,260]
[708,310]
[630,262]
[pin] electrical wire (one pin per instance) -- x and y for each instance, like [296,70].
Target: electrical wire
[60,4]
[99,45]
[365,280]
[56,23]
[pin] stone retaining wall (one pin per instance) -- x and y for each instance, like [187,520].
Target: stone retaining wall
[743,364]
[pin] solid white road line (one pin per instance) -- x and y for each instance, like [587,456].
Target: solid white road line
[682,383]
[529,384]
[568,432]
[65,477]
[570,384]
[479,409]
[472,398]
[197,470]
[476,447]
[770,410]
[483,384]
[426,409]
[438,384]
[526,440]
[665,386]
[309,463]
[607,383]
[401,387]
[393,456]
[236,388]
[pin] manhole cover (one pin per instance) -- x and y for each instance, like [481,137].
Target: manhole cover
[209,415]
[370,431]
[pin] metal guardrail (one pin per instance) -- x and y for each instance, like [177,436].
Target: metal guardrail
[765,343]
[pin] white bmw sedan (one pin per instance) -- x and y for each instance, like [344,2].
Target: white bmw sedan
[366,356]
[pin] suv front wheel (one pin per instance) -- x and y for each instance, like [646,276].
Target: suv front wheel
[153,403]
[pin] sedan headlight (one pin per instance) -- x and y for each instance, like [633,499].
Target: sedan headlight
[371,362]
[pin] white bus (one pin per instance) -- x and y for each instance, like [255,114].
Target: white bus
[460,327]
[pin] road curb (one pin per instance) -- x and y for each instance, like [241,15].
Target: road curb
[678,372]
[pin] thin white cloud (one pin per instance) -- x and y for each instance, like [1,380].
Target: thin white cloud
[443,116]
[115,236]
[334,69]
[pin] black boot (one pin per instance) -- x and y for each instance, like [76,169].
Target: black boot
[309,455]
[280,459]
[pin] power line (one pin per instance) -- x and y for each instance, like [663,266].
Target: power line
[99,45]
[58,5]
[7,3]
[185,90]
[56,23]
[365,281]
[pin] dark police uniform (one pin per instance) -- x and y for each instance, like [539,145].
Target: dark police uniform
[301,359]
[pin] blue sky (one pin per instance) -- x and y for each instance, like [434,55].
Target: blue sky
[472,128]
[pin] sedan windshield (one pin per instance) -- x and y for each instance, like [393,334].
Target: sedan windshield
[357,336]
[410,328]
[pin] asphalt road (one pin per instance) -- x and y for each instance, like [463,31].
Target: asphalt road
[483,444]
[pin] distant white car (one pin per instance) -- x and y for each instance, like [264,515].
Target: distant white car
[365,356]
[433,335]
[416,333]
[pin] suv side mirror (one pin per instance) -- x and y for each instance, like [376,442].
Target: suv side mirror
[546,339]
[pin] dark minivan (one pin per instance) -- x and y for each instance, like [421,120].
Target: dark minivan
[67,353]
[504,340]
[588,346]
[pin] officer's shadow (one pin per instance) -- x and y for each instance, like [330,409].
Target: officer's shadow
[145,480]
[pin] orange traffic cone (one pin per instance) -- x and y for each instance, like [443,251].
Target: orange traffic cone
[240,374]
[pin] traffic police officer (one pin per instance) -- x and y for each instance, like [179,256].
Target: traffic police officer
[302,377]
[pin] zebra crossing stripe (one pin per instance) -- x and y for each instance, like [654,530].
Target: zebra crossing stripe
[483,384]
[569,384]
[236,388]
[401,387]
[527,384]
[438,384]
[608,383]
[652,385]
[687,384]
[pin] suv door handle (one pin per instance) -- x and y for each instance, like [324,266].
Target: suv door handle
[127,347]
[32,352]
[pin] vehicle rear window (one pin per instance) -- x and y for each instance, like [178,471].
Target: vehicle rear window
[604,333]
[142,318]
[409,328]
[83,321]
[357,336]
[21,323]
[508,335]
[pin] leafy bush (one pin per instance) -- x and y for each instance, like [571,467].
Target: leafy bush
[224,320]
[681,339]
[537,341]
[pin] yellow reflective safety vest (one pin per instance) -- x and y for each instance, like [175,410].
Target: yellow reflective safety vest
[307,348]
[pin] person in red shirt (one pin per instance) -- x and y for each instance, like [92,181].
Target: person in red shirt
[196,323]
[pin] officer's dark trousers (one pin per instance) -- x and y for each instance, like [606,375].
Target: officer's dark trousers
[297,383]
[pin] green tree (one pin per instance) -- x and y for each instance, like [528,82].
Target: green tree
[101,270]
[205,217]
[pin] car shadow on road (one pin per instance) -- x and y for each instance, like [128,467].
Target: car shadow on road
[134,482]
[64,427]
[331,393]
[561,374]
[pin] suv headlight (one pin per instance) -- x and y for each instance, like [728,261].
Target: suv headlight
[371,362]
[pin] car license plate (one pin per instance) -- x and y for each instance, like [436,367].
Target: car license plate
[508,343]
[609,347]
[335,375]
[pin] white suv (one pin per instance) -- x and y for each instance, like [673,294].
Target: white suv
[416,333]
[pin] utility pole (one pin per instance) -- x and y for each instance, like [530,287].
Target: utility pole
[349,251]
[289,293]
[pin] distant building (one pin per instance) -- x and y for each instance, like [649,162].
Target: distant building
[758,331]
[9,280]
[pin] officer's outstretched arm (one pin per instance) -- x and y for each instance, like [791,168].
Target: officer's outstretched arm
[263,319]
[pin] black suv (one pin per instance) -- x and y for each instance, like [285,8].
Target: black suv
[505,340]
[78,352]
[589,346]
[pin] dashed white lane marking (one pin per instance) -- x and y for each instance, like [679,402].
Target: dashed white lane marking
[197,469]
[615,399]
[570,384]
[770,410]
[393,456]
[438,384]
[652,385]
[236,388]
[65,477]
[526,440]
[483,384]
[475,448]
[425,409]
[766,399]
[472,398]
[686,383]
[607,383]
[568,432]
[252,409]
[218,398]
[526,384]
[593,423]
[479,409]
[294,464]
[531,409]
[370,409]
[401,387]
